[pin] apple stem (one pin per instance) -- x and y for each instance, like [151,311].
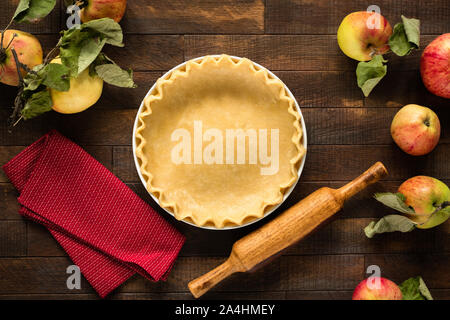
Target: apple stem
[3,32]
[50,54]
[18,101]
[18,65]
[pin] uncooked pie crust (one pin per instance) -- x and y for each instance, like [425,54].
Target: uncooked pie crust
[223,93]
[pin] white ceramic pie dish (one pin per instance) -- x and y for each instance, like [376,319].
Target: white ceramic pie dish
[287,193]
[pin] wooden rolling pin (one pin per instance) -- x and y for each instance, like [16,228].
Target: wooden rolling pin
[285,230]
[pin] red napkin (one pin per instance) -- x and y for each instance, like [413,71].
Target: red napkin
[107,230]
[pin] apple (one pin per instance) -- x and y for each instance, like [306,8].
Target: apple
[377,288]
[416,129]
[29,52]
[84,92]
[426,195]
[360,36]
[97,9]
[435,66]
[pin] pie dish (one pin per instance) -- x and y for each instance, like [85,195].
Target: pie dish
[206,98]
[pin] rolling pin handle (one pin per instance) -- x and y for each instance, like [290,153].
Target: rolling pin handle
[201,285]
[371,175]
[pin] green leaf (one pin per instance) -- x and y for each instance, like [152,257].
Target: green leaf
[70,46]
[53,75]
[108,30]
[113,74]
[395,201]
[412,29]
[37,104]
[415,289]
[89,51]
[33,10]
[405,37]
[398,42]
[79,47]
[34,79]
[369,73]
[389,223]
[57,77]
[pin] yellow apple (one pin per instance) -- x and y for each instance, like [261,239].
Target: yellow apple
[29,52]
[363,34]
[416,129]
[427,196]
[84,92]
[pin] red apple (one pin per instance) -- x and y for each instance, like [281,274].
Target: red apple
[377,288]
[29,52]
[435,66]
[97,9]
[360,36]
[426,195]
[416,129]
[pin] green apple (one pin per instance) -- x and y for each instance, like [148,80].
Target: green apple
[416,129]
[377,288]
[84,92]
[29,52]
[427,196]
[363,34]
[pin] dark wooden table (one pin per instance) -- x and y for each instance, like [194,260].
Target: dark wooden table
[347,133]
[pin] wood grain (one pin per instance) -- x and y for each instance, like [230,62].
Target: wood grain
[431,267]
[148,52]
[48,275]
[324,17]
[13,239]
[290,52]
[197,16]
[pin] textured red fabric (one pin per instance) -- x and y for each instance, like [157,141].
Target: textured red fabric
[106,229]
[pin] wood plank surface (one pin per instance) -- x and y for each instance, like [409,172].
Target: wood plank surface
[324,17]
[290,52]
[196,16]
[296,39]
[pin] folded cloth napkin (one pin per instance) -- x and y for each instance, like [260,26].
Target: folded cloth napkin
[106,229]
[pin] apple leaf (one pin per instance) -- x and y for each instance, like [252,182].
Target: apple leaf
[89,51]
[108,30]
[115,75]
[389,223]
[441,215]
[415,289]
[369,73]
[79,47]
[395,201]
[412,29]
[39,103]
[57,77]
[33,10]
[405,37]
[34,79]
